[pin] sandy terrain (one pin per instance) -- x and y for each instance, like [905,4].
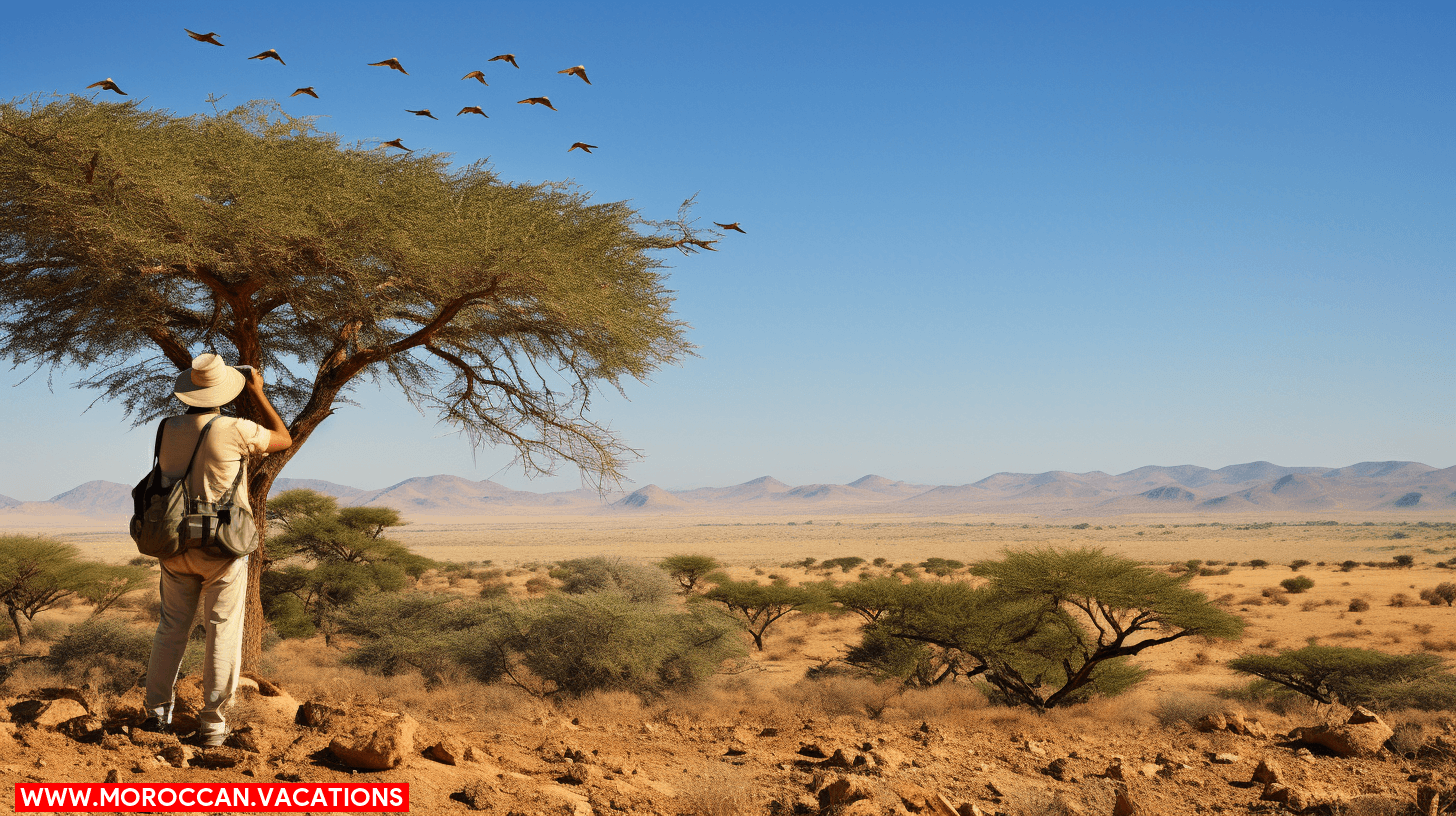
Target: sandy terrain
[735,747]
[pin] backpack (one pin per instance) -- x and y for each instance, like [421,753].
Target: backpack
[166,520]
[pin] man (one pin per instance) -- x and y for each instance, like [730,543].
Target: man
[221,583]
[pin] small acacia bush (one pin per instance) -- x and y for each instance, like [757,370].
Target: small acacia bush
[1298,584]
[642,583]
[1400,600]
[1359,605]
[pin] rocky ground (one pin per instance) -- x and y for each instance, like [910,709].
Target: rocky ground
[750,759]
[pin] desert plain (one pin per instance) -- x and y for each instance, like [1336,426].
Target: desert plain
[761,738]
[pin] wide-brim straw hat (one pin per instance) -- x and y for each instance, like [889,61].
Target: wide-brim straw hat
[209,382]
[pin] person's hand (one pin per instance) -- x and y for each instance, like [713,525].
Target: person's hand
[255,380]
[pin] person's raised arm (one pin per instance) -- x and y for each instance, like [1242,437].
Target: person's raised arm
[280,438]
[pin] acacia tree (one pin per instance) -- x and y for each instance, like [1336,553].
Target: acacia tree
[133,239]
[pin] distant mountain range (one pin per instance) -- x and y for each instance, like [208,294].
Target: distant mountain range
[1404,487]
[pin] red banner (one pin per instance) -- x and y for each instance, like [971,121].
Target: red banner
[188,797]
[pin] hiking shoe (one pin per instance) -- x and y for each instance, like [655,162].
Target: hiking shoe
[155,726]
[198,739]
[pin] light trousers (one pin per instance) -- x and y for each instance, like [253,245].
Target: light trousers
[222,586]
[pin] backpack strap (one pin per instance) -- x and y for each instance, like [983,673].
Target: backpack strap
[157,452]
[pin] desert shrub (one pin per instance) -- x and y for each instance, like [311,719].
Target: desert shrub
[539,584]
[434,635]
[913,664]
[1210,571]
[1298,564]
[1298,584]
[1431,645]
[577,644]
[881,561]
[759,606]
[688,570]
[1278,597]
[639,582]
[1053,627]
[289,618]
[942,567]
[1347,566]
[1358,605]
[1400,600]
[1308,606]
[1258,563]
[1441,593]
[844,564]
[494,588]
[1404,561]
[108,653]
[1356,676]
[1252,600]
[1172,710]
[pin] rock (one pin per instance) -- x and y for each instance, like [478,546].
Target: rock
[1304,754]
[248,738]
[769,732]
[843,791]
[1034,748]
[582,773]
[1115,771]
[841,759]
[147,739]
[218,758]
[812,751]
[1235,722]
[1363,735]
[1226,759]
[114,742]
[82,729]
[479,794]
[888,759]
[1061,770]
[318,715]
[46,713]
[82,695]
[449,751]
[940,806]
[970,809]
[1211,722]
[1124,805]
[113,775]
[1265,773]
[177,755]
[383,748]
[1149,770]
[1275,792]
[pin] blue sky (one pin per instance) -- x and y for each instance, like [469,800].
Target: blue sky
[981,236]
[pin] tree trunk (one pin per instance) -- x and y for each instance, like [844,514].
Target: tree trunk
[15,621]
[253,622]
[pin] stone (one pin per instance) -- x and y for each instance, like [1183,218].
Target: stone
[940,806]
[383,748]
[1265,773]
[582,773]
[862,807]
[1275,792]
[113,775]
[769,732]
[888,759]
[449,751]
[82,729]
[970,809]
[1115,771]
[1061,770]
[1363,735]
[46,713]
[218,758]
[812,751]
[318,715]
[1124,805]
[1226,759]
[177,755]
[1304,754]
[1034,748]
[148,739]
[841,759]
[1149,769]
[1211,722]
[248,738]
[842,792]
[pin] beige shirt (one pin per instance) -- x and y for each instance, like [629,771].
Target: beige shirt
[226,450]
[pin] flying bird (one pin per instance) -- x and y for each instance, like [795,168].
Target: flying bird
[586,148]
[537,100]
[511,58]
[392,63]
[308,90]
[269,54]
[207,38]
[425,112]
[395,143]
[107,85]
[576,70]
[732,226]
[472,109]
[480,75]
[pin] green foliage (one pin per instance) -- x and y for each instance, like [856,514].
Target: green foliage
[1051,627]
[1346,566]
[915,664]
[870,597]
[758,606]
[844,564]
[1403,560]
[639,582]
[562,644]
[689,570]
[942,567]
[578,644]
[1445,591]
[1298,564]
[38,573]
[102,636]
[326,557]
[1297,584]
[1258,563]
[1357,676]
